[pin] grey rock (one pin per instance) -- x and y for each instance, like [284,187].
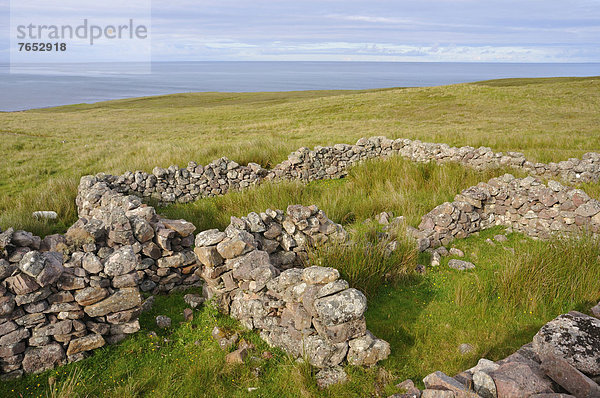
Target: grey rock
[163,322]
[460,265]
[341,307]
[122,261]
[573,337]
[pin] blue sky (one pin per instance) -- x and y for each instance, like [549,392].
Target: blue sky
[374,30]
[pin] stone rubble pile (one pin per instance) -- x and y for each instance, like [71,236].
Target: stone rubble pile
[562,361]
[309,312]
[222,175]
[526,205]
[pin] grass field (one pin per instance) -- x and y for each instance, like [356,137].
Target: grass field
[45,152]
[517,286]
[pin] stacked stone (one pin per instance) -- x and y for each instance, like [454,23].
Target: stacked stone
[526,205]
[562,361]
[188,184]
[285,237]
[112,221]
[57,305]
[309,312]
[223,175]
[330,162]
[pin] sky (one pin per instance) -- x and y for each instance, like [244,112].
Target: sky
[352,30]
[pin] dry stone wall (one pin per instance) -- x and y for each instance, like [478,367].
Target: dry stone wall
[222,175]
[308,312]
[526,205]
[68,294]
[56,305]
[163,248]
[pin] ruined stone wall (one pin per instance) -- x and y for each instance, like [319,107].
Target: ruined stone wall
[68,294]
[222,175]
[57,304]
[526,205]
[308,312]
[163,248]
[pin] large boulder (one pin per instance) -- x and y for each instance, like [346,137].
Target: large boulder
[575,337]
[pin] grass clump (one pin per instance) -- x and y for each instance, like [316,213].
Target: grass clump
[371,259]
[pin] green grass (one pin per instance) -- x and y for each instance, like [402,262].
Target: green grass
[45,152]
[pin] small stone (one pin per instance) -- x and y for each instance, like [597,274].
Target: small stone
[460,265]
[163,322]
[330,376]
[315,275]
[122,261]
[182,227]
[456,252]
[147,304]
[407,387]
[466,348]
[210,237]
[86,343]
[441,381]
[237,356]
[188,314]
[231,248]
[484,385]
[193,300]
[37,360]
[500,238]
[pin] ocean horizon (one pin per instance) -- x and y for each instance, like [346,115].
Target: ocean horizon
[51,85]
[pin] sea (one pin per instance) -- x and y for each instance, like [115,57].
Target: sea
[47,86]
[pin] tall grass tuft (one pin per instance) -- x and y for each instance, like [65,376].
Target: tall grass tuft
[564,271]
[367,262]
[68,388]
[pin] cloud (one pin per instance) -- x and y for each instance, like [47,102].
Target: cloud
[378,30]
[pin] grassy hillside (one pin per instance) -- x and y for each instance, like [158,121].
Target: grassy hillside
[44,152]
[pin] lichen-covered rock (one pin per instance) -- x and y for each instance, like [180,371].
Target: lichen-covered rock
[575,337]
[122,261]
[516,379]
[330,376]
[460,265]
[209,237]
[315,275]
[121,300]
[341,307]
[37,360]
[367,350]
